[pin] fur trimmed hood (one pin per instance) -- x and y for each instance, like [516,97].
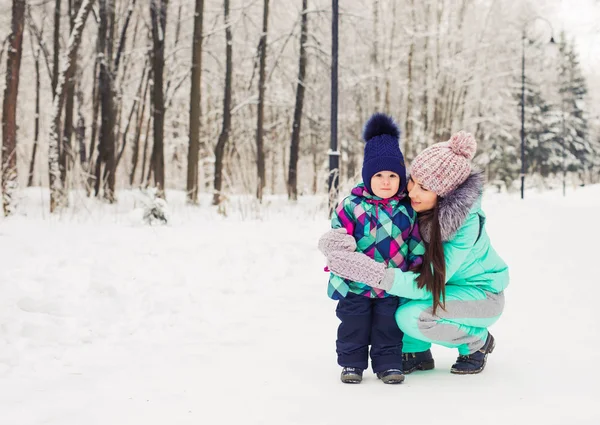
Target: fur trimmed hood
[455,206]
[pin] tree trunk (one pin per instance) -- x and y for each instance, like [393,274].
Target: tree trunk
[139,97]
[105,178]
[390,57]
[195,108]
[140,114]
[56,61]
[295,143]
[9,108]
[143,179]
[273,149]
[87,165]
[80,129]
[375,57]
[224,136]
[408,125]
[36,130]
[158,13]
[260,151]
[123,37]
[57,195]
[66,153]
[315,160]
[425,101]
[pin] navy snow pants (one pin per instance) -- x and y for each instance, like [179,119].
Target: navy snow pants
[369,321]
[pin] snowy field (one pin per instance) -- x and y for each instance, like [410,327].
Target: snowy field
[214,320]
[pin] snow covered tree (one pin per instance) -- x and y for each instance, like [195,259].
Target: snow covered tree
[195,97]
[436,66]
[260,115]
[300,88]
[542,132]
[579,153]
[226,124]
[9,108]
[158,14]
[58,197]
[105,162]
[66,151]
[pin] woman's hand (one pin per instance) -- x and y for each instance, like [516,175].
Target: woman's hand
[358,267]
[336,240]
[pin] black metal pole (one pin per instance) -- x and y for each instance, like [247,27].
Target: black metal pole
[334,155]
[523,116]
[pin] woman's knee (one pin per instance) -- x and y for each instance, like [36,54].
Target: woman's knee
[410,314]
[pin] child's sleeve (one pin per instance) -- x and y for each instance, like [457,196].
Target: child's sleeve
[343,216]
[416,246]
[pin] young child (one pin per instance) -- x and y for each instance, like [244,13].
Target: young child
[379,216]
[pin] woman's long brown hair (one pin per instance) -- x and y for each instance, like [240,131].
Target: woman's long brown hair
[433,270]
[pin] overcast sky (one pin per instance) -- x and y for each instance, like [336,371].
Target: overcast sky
[581,18]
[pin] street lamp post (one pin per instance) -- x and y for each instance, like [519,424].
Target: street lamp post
[523,37]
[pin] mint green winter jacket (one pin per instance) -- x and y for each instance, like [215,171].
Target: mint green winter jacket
[470,257]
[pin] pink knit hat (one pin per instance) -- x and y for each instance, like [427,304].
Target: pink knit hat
[444,166]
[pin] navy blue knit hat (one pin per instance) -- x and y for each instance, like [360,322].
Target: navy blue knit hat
[382,150]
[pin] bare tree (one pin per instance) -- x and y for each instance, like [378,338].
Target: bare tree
[441,66]
[140,98]
[295,143]
[260,151]
[106,146]
[56,61]
[66,154]
[3,46]
[140,114]
[195,111]
[409,123]
[119,98]
[80,129]
[87,164]
[224,136]
[9,108]
[36,128]
[57,193]
[158,14]
[123,37]
[375,56]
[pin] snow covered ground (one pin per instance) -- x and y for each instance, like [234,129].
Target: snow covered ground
[214,320]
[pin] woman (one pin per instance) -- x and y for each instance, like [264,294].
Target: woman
[457,293]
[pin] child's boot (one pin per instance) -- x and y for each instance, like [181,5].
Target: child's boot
[391,376]
[351,375]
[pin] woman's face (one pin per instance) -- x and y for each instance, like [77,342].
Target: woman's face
[421,199]
[385,184]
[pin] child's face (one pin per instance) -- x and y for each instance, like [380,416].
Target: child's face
[421,198]
[385,184]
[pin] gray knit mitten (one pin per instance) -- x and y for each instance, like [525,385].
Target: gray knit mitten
[336,240]
[360,268]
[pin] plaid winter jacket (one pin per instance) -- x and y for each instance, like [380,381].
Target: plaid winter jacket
[384,229]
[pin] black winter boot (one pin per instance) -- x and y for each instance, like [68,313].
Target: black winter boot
[474,363]
[417,361]
[391,376]
[351,375]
